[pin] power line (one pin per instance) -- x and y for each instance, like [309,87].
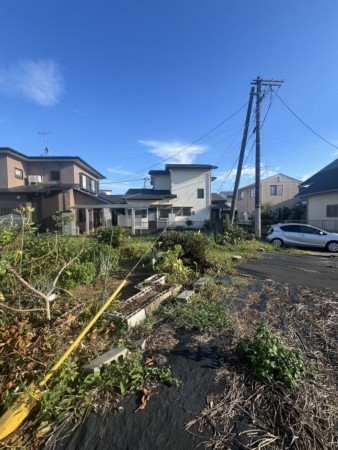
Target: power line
[305,124]
[186,147]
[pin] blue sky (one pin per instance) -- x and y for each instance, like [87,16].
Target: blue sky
[126,84]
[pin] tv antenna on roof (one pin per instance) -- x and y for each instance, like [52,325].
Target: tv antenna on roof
[44,134]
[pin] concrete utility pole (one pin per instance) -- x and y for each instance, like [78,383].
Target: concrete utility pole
[241,156]
[259,82]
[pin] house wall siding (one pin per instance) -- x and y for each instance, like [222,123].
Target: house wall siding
[184,184]
[3,172]
[12,164]
[161,182]
[316,205]
[288,197]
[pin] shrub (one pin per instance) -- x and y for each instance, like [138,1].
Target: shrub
[195,246]
[78,273]
[170,264]
[113,236]
[271,359]
[232,234]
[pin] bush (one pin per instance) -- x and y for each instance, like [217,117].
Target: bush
[195,246]
[113,236]
[78,273]
[170,264]
[271,359]
[232,234]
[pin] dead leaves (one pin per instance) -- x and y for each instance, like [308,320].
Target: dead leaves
[145,398]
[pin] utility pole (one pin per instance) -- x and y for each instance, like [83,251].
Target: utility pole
[259,82]
[241,156]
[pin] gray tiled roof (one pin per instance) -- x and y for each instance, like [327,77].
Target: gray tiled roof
[326,180]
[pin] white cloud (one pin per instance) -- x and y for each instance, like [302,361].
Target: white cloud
[38,81]
[178,152]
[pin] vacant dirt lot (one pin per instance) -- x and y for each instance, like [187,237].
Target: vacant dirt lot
[219,403]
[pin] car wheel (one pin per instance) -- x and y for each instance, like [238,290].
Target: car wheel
[332,246]
[277,243]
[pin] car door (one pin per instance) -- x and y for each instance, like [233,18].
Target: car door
[312,237]
[291,234]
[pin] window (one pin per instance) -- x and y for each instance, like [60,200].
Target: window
[18,173]
[177,211]
[186,211]
[200,193]
[241,195]
[252,193]
[55,175]
[311,230]
[276,189]
[88,183]
[291,228]
[141,212]
[164,213]
[332,211]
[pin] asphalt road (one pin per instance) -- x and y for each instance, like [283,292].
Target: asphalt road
[317,271]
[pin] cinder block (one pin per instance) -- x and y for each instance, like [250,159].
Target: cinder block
[106,358]
[141,344]
[159,298]
[199,284]
[236,258]
[136,318]
[184,296]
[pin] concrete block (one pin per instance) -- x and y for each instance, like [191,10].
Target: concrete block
[136,318]
[106,358]
[158,299]
[141,344]
[184,296]
[199,284]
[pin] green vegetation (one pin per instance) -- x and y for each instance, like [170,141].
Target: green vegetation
[171,264]
[195,246]
[70,394]
[205,311]
[271,359]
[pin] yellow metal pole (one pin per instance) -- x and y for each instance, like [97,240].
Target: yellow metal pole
[23,405]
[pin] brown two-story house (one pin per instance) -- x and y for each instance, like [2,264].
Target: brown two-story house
[50,184]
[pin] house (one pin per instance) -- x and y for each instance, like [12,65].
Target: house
[51,184]
[227,195]
[278,190]
[180,198]
[321,194]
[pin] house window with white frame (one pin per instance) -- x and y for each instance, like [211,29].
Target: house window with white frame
[241,195]
[18,173]
[252,192]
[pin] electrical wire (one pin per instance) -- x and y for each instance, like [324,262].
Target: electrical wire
[305,124]
[186,147]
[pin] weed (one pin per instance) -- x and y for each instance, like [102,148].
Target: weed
[170,264]
[200,314]
[271,359]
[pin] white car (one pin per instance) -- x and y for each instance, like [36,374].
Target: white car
[301,235]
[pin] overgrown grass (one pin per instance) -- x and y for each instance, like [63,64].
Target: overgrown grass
[205,311]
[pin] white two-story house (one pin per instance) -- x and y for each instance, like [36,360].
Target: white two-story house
[180,197]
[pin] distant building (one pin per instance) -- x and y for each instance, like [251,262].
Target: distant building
[180,198]
[321,194]
[51,184]
[278,190]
